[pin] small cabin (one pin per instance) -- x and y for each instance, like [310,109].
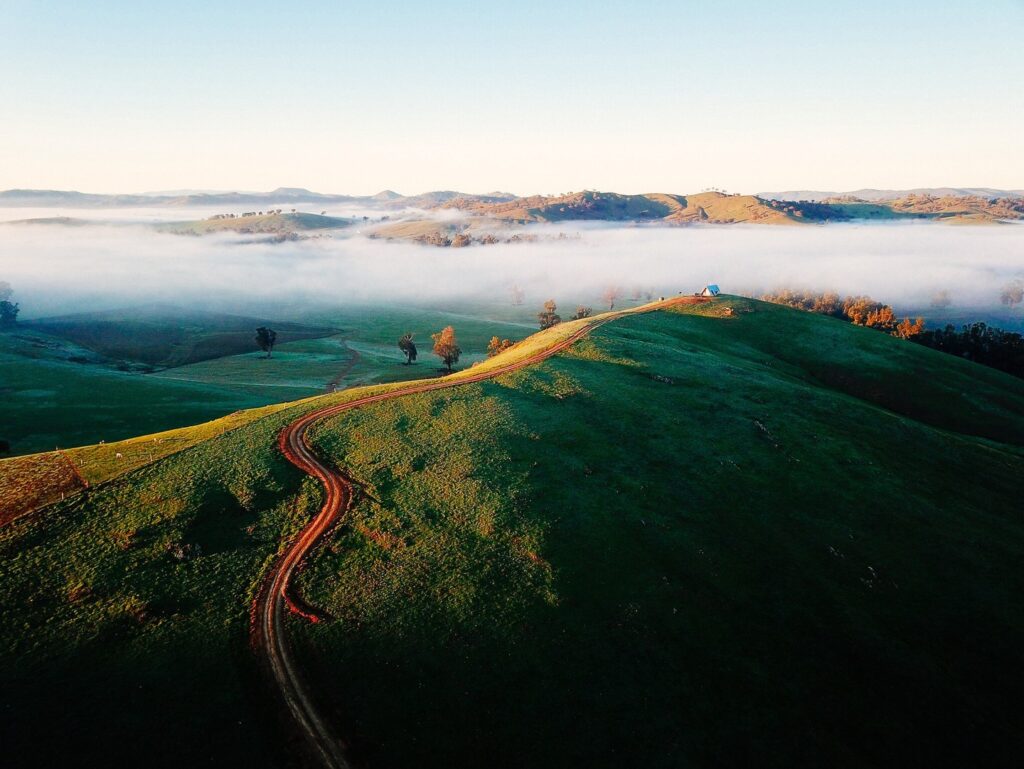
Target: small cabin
[711,289]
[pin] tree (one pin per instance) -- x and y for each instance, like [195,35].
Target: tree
[517,296]
[883,318]
[446,347]
[860,308]
[582,312]
[265,338]
[548,317]
[406,345]
[828,304]
[908,330]
[942,300]
[8,309]
[496,346]
[610,295]
[1013,293]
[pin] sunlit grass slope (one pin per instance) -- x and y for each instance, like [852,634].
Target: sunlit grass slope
[128,604]
[694,538]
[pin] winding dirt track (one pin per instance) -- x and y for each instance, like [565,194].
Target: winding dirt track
[268,634]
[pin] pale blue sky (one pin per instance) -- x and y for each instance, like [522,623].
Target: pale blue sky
[526,97]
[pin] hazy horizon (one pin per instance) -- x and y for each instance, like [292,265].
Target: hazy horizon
[188,191]
[103,266]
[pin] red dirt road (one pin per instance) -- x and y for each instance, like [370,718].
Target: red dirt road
[269,638]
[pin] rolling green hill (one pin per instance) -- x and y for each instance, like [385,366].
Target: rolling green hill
[160,367]
[733,534]
[164,336]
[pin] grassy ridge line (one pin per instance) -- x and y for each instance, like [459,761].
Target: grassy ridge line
[675,516]
[99,463]
[268,610]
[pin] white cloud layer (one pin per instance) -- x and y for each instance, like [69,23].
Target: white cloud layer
[56,269]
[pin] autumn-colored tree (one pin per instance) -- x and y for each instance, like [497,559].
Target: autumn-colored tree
[548,317]
[942,300]
[859,308]
[883,318]
[828,304]
[610,295]
[582,312]
[407,346]
[517,296]
[908,329]
[496,346]
[446,347]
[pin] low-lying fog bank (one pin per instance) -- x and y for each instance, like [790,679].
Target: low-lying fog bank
[57,269]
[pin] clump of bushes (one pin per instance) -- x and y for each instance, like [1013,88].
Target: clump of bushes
[978,342]
[859,310]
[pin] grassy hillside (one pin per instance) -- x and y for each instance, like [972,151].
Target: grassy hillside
[719,208]
[79,379]
[706,207]
[692,541]
[163,336]
[59,393]
[696,538]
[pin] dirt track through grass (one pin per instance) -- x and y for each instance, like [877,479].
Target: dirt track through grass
[268,629]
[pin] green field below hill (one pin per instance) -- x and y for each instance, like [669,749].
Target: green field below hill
[80,379]
[56,394]
[699,538]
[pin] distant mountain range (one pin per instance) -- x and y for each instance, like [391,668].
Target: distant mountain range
[720,208]
[280,196]
[961,205]
[873,195]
